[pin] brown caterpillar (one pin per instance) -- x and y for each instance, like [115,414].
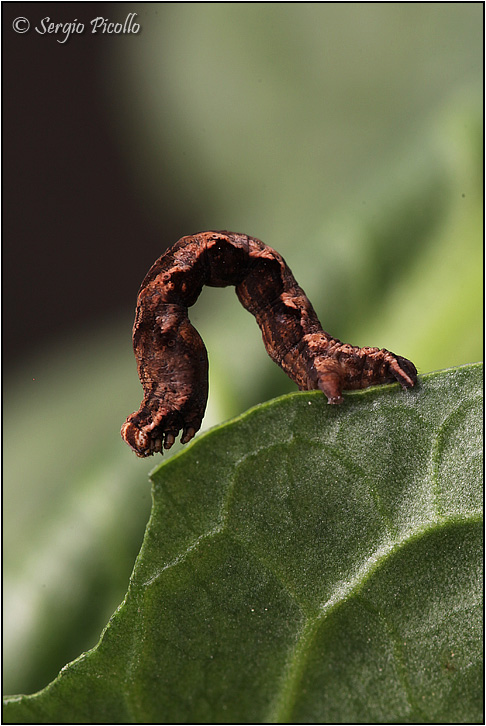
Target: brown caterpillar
[171,356]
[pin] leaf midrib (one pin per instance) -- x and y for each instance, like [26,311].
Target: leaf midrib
[281,710]
[293,669]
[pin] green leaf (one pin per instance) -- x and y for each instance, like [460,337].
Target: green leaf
[303,563]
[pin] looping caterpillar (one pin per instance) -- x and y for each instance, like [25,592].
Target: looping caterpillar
[171,356]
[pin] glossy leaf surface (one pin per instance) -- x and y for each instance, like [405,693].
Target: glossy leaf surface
[303,563]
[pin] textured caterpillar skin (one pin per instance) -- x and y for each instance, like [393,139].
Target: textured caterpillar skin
[171,356]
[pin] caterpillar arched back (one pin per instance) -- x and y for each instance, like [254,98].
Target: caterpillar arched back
[171,356]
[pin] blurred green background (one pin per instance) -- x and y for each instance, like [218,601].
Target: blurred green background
[348,137]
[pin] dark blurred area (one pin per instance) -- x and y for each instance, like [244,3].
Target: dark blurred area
[71,226]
